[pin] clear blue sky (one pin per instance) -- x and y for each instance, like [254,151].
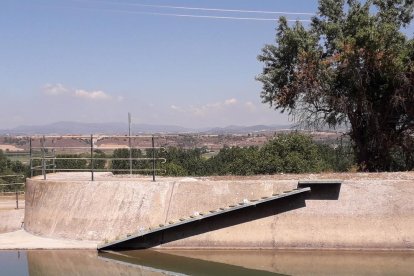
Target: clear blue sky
[93,61]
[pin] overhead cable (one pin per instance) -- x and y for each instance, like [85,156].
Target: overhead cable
[198,8]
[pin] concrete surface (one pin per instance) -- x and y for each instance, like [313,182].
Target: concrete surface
[20,240]
[204,222]
[9,202]
[10,218]
[372,211]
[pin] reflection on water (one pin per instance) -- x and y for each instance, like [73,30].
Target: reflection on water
[313,262]
[181,264]
[149,262]
[13,263]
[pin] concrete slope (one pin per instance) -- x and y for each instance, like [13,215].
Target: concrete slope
[368,211]
[11,219]
[140,239]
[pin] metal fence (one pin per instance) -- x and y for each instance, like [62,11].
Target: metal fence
[13,187]
[44,156]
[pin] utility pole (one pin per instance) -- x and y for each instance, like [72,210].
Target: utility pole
[130,146]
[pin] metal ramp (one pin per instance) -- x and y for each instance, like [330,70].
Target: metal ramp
[320,182]
[204,215]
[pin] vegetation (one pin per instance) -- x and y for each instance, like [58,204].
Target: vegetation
[286,153]
[352,66]
[124,164]
[8,167]
[68,161]
[71,161]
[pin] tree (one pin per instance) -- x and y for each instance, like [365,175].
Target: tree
[291,153]
[124,165]
[189,161]
[234,161]
[285,153]
[70,162]
[352,66]
[9,168]
[172,169]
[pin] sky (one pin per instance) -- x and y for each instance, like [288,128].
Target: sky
[165,61]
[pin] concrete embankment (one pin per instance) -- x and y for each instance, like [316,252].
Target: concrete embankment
[369,211]
[11,219]
[21,240]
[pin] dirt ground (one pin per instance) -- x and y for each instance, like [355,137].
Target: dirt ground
[22,240]
[11,219]
[107,176]
[10,148]
[12,236]
[9,202]
[336,176]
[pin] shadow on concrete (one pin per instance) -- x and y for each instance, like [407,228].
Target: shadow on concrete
[172,264]
[213,223]
[322,191]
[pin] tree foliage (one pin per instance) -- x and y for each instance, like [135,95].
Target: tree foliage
[294,153]
[123,165]
[354,66]
[69,162]
[285,153]
[9,167]
[186,162]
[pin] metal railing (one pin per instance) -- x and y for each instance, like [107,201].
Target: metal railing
[47,156]
[15,186]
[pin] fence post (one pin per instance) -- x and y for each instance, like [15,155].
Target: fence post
[43,158]
[53,156]
[129,143]
[153,159]
[92,160]
[30,156]
[130,155]
[17,196]
[54,161]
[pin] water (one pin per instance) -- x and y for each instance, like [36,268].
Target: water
[151,263]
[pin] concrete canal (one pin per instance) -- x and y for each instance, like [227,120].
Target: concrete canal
[226,262]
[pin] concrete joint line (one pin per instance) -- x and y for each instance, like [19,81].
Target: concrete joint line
[169,203]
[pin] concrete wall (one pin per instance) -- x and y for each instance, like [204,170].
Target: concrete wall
[373,211]
[10,218]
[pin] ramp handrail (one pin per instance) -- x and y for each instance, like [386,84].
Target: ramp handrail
[46,154]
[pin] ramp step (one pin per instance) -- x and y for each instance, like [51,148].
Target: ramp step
[203,215]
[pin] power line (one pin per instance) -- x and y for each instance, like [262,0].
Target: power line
[205,16]
[198,8]
[191,15]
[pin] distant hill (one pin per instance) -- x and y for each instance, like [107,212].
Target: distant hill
[246,129]
[62,128]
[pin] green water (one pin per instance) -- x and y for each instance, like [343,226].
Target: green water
[148,262]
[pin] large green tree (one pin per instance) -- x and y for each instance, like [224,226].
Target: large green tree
[353,65]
